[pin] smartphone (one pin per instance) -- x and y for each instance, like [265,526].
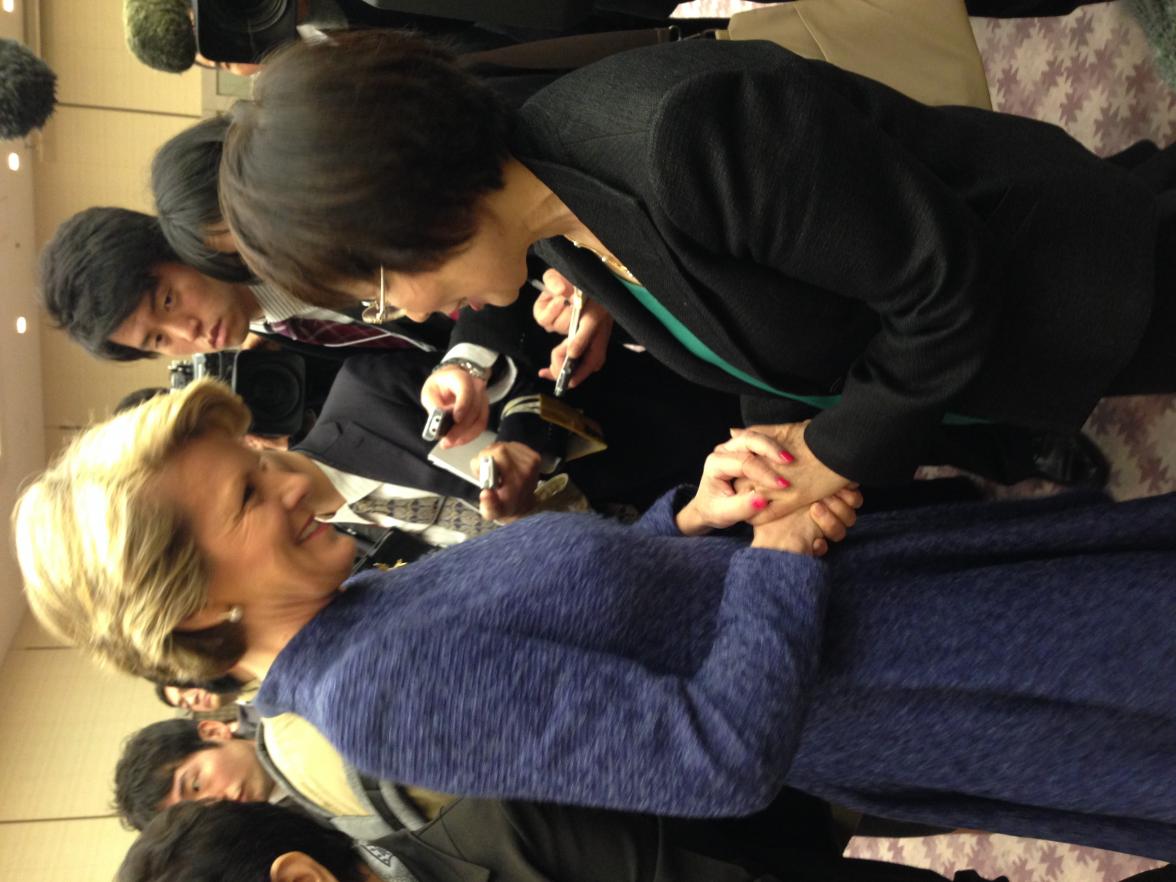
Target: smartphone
[487,473]
[437,425]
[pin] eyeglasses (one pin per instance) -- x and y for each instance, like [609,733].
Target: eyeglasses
[378,313]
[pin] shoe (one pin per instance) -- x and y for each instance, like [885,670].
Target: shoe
[1069,458]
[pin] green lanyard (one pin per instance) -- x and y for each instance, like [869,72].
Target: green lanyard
[700,350]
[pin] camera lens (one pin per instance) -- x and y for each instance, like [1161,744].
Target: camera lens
[273,385]
[275,393]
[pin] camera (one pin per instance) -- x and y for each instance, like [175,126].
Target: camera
[243,30]
[272,384]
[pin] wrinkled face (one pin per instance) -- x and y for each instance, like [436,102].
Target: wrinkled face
[227,770]
[188,312]
[486,272]
[192,698]
[254,527]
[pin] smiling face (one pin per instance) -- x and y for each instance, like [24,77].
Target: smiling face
[488,271]
[227,769]
[255,529]
[188,312]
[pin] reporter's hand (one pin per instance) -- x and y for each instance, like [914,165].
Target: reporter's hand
[518,475]
[454,390]
[553,312]
[717,504]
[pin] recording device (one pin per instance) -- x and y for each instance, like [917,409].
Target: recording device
[487,473]
[438,424]
[243,30]
[272,384]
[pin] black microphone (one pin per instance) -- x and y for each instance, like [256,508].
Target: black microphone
[28,90]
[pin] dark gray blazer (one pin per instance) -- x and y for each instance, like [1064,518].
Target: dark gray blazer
[658,427]
[825,234]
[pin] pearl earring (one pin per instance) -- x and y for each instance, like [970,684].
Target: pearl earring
[235,614]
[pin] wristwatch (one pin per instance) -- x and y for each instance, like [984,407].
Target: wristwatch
[472,368]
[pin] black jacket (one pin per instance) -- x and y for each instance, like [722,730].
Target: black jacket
[659,428]
[825,234]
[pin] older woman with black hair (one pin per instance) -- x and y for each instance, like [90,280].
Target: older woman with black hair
[760,223]
[1003,667]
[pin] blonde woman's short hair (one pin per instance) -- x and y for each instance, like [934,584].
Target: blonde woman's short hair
[107,565]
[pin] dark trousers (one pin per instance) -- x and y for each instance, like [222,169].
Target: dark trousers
[1152,370]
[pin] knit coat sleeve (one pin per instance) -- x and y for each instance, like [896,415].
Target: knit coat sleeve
[475,709]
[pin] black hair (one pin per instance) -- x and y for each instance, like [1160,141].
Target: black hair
[143,776]
[96,270]
[226,685]
[184,181]
[232,842]
[372,149]
[28,91]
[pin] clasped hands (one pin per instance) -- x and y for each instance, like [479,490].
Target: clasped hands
[767,476]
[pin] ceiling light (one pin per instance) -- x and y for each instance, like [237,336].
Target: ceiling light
[22,324]
[9,5]
[14,161]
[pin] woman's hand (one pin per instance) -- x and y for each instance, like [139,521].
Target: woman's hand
[464,396]
[553,309]
[518,474]
[810,531]
[809,479]
[553,312]
[717,504]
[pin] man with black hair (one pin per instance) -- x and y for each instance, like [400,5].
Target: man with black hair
[111,279]
[179,760]
[282,758]
[482,841]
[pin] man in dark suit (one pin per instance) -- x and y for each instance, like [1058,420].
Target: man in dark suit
[480,841]
[370,426]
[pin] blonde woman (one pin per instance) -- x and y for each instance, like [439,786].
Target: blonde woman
[1004,667]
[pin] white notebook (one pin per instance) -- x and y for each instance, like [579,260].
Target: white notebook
[456,460]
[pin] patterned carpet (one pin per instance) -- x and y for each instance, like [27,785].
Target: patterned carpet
[1090,73]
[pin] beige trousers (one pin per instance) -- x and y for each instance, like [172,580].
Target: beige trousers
[923,48]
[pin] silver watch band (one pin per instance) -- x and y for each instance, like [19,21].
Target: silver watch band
[474,369]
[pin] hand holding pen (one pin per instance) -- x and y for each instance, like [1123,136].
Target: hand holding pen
[588,345]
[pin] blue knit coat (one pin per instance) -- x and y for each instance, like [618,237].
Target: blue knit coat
[1007,667]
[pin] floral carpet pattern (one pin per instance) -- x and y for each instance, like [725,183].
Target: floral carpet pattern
[1089,72]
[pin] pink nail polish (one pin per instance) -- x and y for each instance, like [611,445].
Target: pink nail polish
[787,457]
[783,482]
[759,503]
